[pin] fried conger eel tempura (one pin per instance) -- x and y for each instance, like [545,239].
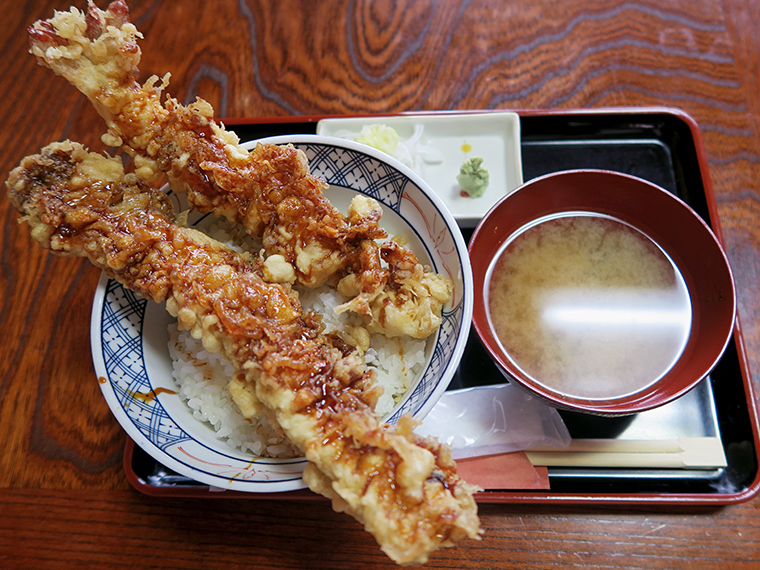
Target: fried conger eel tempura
[403,488]
[268,190]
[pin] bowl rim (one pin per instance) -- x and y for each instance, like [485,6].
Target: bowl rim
[623,405]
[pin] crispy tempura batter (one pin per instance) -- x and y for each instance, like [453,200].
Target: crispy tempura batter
[269,190]
[404,489]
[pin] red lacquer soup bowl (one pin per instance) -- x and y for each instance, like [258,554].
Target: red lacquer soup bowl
[600,292]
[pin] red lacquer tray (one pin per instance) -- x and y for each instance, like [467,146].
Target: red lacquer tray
[658,144]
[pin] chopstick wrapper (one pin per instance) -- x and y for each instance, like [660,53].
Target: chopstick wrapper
[488,420]
[488,428]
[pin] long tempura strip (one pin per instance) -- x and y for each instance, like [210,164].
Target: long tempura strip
[97,52]
[404,489]
[269,190]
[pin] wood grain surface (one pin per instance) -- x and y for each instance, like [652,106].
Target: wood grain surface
[64,499]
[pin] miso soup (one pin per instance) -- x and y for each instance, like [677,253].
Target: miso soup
[588,306]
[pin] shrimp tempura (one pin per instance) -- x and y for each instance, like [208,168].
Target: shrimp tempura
[403,488]
[268,190]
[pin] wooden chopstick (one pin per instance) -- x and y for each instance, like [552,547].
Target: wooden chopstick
[692,452]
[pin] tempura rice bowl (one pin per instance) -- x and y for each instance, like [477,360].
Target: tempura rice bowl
[181,426]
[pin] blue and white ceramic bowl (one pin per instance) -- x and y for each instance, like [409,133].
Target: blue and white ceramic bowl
[130,337]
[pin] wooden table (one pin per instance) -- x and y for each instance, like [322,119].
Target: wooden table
[64,498]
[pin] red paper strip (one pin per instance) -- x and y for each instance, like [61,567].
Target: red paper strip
[504,471]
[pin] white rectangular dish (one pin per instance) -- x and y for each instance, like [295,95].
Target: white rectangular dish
[495,137]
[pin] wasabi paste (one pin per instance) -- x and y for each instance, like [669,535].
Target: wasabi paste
[472,177]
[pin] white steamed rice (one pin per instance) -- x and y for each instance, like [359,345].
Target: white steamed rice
[202,377]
